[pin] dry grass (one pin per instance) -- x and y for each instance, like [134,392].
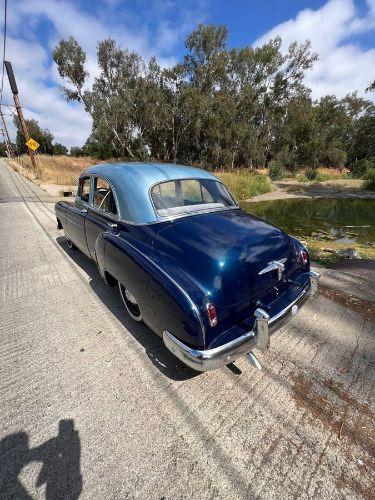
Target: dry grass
[62,170]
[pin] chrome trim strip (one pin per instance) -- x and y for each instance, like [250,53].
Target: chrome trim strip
[105,214]
[171,219]
[184,292]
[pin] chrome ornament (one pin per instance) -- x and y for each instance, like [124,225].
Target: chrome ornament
[274,265]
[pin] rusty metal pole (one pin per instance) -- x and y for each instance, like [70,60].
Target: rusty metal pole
[13,86]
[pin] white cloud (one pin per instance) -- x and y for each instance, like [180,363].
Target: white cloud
[37,75]
[343,65]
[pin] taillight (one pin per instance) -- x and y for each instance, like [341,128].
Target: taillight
[211,311]
[304,257]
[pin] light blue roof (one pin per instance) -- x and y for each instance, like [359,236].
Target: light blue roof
[132,181]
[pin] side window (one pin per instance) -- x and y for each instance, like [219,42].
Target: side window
[84,189]
[104,199]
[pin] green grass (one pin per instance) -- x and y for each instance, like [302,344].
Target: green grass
[244,184]
[369,183]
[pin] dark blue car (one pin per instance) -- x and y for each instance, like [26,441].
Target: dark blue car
[212,280]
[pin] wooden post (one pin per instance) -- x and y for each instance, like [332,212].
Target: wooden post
[13,86]
[8,143]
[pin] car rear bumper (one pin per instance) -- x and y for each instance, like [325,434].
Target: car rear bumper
[257,338]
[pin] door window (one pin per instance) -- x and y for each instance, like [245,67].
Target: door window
[84,189]
[104,199]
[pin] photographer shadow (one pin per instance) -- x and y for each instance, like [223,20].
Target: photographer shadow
[154,346]
[59,455]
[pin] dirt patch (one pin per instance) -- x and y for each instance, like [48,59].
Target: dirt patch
[338,389]
[363,307]
[337,410]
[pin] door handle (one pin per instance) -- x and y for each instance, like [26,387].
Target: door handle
[84,210]
[113,225]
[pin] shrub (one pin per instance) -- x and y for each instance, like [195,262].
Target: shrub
[370,179]
[359,168]
[311,173]
[275,170]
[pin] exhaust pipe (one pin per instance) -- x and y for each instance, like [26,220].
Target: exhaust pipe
[253,360]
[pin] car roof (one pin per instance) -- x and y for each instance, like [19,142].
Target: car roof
[132,182]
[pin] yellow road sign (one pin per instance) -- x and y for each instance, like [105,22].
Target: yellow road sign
[32,144]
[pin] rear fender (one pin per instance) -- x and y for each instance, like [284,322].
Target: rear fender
[164,302]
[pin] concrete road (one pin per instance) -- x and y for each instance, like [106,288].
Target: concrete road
[92,404]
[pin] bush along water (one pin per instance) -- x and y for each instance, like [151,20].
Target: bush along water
[369,179]
[311,173]
[359,168]
[275,170]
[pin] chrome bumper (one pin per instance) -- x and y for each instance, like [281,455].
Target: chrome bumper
[258,338]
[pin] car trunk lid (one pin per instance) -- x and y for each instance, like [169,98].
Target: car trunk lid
[228,254]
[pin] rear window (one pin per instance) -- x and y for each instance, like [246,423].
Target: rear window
[184,196]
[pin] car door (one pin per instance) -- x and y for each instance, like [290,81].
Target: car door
[77,214]
[102,212]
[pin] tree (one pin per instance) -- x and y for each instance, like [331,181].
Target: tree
[59,149]
[3,150]
[43,136]
[241,107]
[77,152]
[70,59]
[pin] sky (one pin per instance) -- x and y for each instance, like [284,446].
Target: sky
[341,31]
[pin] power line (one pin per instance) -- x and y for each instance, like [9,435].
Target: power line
[4,48]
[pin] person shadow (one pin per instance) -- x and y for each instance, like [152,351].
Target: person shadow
[60,457]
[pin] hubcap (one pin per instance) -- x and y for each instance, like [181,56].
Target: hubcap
[130,297]
[130,303]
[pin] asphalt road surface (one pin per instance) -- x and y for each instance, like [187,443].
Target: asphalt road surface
[92,404]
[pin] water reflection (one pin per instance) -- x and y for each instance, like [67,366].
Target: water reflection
[346,220]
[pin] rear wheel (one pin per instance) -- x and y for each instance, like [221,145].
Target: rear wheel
[130,303]
[70,244]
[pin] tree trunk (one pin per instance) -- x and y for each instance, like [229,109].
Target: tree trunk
[174,142]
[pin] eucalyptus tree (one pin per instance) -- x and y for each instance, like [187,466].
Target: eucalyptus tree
[218,107]
[111,100]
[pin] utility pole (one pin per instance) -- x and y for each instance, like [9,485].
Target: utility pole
[13,86]
[5,133]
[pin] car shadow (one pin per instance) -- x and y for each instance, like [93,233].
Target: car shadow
[154,346]
[60,457]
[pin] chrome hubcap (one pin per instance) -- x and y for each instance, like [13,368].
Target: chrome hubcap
[130,297]
[131,303]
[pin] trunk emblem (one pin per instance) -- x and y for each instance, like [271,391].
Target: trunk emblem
[275,265]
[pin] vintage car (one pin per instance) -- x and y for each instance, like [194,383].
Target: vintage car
[212,280]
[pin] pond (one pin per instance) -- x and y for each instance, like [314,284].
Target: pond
[342,220]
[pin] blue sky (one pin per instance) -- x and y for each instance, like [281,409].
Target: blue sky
[341,31]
